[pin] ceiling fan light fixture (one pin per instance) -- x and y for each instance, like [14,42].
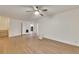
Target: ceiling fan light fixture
[36,12]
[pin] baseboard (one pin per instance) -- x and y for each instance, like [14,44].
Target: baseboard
[14,35]
[65,42]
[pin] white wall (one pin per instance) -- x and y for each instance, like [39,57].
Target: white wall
[14,27]
[63,27]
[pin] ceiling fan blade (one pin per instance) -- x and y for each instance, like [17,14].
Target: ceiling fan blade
[41,14]
[35,7]
[45,10]
[29,11]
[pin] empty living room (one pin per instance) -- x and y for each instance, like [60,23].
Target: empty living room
[39,29]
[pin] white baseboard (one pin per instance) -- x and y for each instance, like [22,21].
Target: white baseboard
[66,42]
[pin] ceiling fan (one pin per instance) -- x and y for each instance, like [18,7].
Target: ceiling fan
[37,10]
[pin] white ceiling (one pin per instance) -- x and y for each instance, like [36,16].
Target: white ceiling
[19,11]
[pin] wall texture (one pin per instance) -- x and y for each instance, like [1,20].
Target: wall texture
[63,27]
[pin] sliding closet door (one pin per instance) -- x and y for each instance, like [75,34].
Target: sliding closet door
[4,26]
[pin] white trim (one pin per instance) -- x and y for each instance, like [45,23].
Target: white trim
[66,42]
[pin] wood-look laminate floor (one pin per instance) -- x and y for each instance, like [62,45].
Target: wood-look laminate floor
[32,45]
